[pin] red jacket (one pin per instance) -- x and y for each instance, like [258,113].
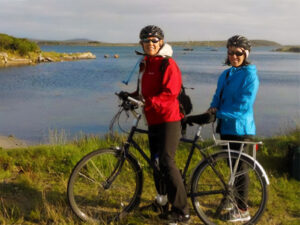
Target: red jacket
[160,91]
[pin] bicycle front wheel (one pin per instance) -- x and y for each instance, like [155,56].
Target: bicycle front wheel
[217,192]
[104,186]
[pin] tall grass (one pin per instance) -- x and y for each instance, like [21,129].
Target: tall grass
[33,181]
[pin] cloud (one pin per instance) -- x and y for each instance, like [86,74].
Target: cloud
[120,21]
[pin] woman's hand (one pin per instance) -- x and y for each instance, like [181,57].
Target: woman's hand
[212,110]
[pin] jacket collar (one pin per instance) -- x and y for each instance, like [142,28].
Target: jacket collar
[165,51]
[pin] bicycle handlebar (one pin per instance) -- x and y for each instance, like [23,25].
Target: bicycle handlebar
[129,100]
[133,100]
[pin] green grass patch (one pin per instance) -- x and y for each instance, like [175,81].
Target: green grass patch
[34,181]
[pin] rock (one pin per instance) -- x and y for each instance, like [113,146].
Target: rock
[106,56]
[48,59]
[86,55]
[16,62]
[77,56]
[11,142]
[40,58]
[3,54]
[4,57]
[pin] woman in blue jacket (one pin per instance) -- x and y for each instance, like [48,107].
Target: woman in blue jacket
[233,105]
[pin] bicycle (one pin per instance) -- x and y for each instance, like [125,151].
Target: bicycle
[106,184]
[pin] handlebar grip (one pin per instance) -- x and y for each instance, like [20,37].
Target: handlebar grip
[140,103]
[125,97]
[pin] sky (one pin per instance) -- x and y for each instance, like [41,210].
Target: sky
[120,21]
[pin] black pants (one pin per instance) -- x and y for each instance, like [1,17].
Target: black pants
[241,182]
[163,141]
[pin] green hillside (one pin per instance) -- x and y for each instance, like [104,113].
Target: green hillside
[21,46]
[20,51]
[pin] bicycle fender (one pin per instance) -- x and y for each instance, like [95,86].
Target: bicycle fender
[256,163]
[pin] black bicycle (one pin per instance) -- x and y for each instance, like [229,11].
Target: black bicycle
[107,184]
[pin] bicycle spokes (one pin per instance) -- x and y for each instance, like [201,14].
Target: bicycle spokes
[104,187]
[217,188]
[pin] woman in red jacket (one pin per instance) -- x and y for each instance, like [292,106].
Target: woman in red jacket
[159,89]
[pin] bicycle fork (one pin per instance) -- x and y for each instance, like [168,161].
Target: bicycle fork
[106,184]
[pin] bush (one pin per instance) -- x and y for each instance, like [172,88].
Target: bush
[19,45]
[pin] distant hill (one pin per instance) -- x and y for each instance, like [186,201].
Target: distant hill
[255,43]
[87,42]
[295,49]
[80,41]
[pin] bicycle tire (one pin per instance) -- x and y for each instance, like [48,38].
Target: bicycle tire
[209,194]
[91,199]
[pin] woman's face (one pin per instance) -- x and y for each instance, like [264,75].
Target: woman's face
[151,45]
[236,56]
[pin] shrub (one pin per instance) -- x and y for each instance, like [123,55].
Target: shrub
[19,45]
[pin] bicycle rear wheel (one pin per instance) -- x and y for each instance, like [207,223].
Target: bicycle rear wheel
[104,187]
[214,195]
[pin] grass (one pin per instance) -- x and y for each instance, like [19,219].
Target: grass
[34,181]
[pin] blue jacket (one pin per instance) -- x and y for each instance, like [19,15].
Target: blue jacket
[236,106]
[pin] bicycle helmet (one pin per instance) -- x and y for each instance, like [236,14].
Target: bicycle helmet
[151,31]
[240,42]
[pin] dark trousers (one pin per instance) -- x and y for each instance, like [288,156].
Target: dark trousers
[241,183]
[163,141]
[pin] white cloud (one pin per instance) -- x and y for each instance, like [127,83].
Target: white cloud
[120,20]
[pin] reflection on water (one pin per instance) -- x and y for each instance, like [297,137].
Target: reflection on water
[79,96]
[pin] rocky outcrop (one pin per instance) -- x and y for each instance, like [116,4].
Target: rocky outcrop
[3,57]
[9,142]
[6,60]
[86,55]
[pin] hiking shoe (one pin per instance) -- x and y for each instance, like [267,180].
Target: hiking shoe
[228,205]
[237,215]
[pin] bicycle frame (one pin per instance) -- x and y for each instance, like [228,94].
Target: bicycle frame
[193,142]
[233,168]
[131,141]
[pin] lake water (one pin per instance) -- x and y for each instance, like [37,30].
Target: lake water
[79,96]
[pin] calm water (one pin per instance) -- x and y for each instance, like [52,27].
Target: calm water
[79,96]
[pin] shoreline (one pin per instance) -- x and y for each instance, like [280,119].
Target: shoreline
[11,142]
[8,60]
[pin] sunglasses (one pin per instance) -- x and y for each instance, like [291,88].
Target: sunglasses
[235,53]
[154,40]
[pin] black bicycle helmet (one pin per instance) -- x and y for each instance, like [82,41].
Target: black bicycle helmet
[240,42]
[151,31]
